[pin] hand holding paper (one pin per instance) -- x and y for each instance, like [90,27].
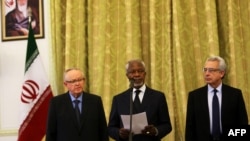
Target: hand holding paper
[139,121]
[150,130]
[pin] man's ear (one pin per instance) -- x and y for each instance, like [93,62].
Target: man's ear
[127,74]
[223,73]
[65,84]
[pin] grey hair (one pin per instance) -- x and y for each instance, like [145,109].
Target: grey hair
[70,69]
[222,63]
[135,61]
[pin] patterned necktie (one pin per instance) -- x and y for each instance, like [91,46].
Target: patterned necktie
[137,103]
[77,110]
[216,116]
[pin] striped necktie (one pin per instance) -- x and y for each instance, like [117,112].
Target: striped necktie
[77,110]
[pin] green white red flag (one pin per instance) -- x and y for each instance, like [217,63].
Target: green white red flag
[35,96]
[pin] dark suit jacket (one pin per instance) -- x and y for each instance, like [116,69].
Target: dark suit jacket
[62,123]
[233,112]
[155,105]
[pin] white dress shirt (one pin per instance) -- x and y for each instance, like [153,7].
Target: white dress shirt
[142,89]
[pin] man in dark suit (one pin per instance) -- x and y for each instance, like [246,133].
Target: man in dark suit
[205,122]
[152,102]
[69,121]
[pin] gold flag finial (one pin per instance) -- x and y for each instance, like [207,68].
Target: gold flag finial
[29,13]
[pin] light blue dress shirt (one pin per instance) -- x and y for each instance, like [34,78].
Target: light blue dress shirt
[78,98]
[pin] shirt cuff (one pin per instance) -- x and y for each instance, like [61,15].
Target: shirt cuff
[156,131]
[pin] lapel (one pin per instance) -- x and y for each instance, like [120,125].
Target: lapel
[127,96]
[147,99]
[204,106]
[123,100]
[203,98]
[85,104]
[224,102]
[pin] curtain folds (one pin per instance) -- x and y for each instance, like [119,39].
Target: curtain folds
[173,37]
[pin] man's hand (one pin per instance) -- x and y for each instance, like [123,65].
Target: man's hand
[150,130]
[124,133]
[24,31]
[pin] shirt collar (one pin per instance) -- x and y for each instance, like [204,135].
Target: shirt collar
[73,98]
[142,88]
[211,89]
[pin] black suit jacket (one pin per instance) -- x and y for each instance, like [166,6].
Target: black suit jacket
[62,123]
[155,105]
[233,112]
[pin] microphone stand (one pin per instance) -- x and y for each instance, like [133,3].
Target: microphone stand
[131,111]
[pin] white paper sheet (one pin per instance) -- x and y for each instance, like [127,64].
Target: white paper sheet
[139,121]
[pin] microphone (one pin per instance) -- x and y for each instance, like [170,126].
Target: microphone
[131,85]
[132,81]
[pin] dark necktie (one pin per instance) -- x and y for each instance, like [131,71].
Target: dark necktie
[137,103]
[216,116]
[77,111]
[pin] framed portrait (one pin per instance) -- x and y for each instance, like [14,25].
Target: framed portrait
[15,19]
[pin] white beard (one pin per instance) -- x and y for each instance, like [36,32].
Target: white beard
[23,9]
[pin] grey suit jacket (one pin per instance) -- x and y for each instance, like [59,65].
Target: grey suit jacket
[233,112]
[62,123]
[155,106]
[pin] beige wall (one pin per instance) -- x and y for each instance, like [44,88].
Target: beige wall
[12,61]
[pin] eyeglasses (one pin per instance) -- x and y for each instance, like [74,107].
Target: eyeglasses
[75,80]
[210,70]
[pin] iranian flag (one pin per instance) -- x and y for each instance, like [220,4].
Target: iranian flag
[35,96]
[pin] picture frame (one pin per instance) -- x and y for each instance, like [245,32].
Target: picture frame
[15,17]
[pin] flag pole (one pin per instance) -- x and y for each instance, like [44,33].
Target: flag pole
[29,14]
[35,103]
